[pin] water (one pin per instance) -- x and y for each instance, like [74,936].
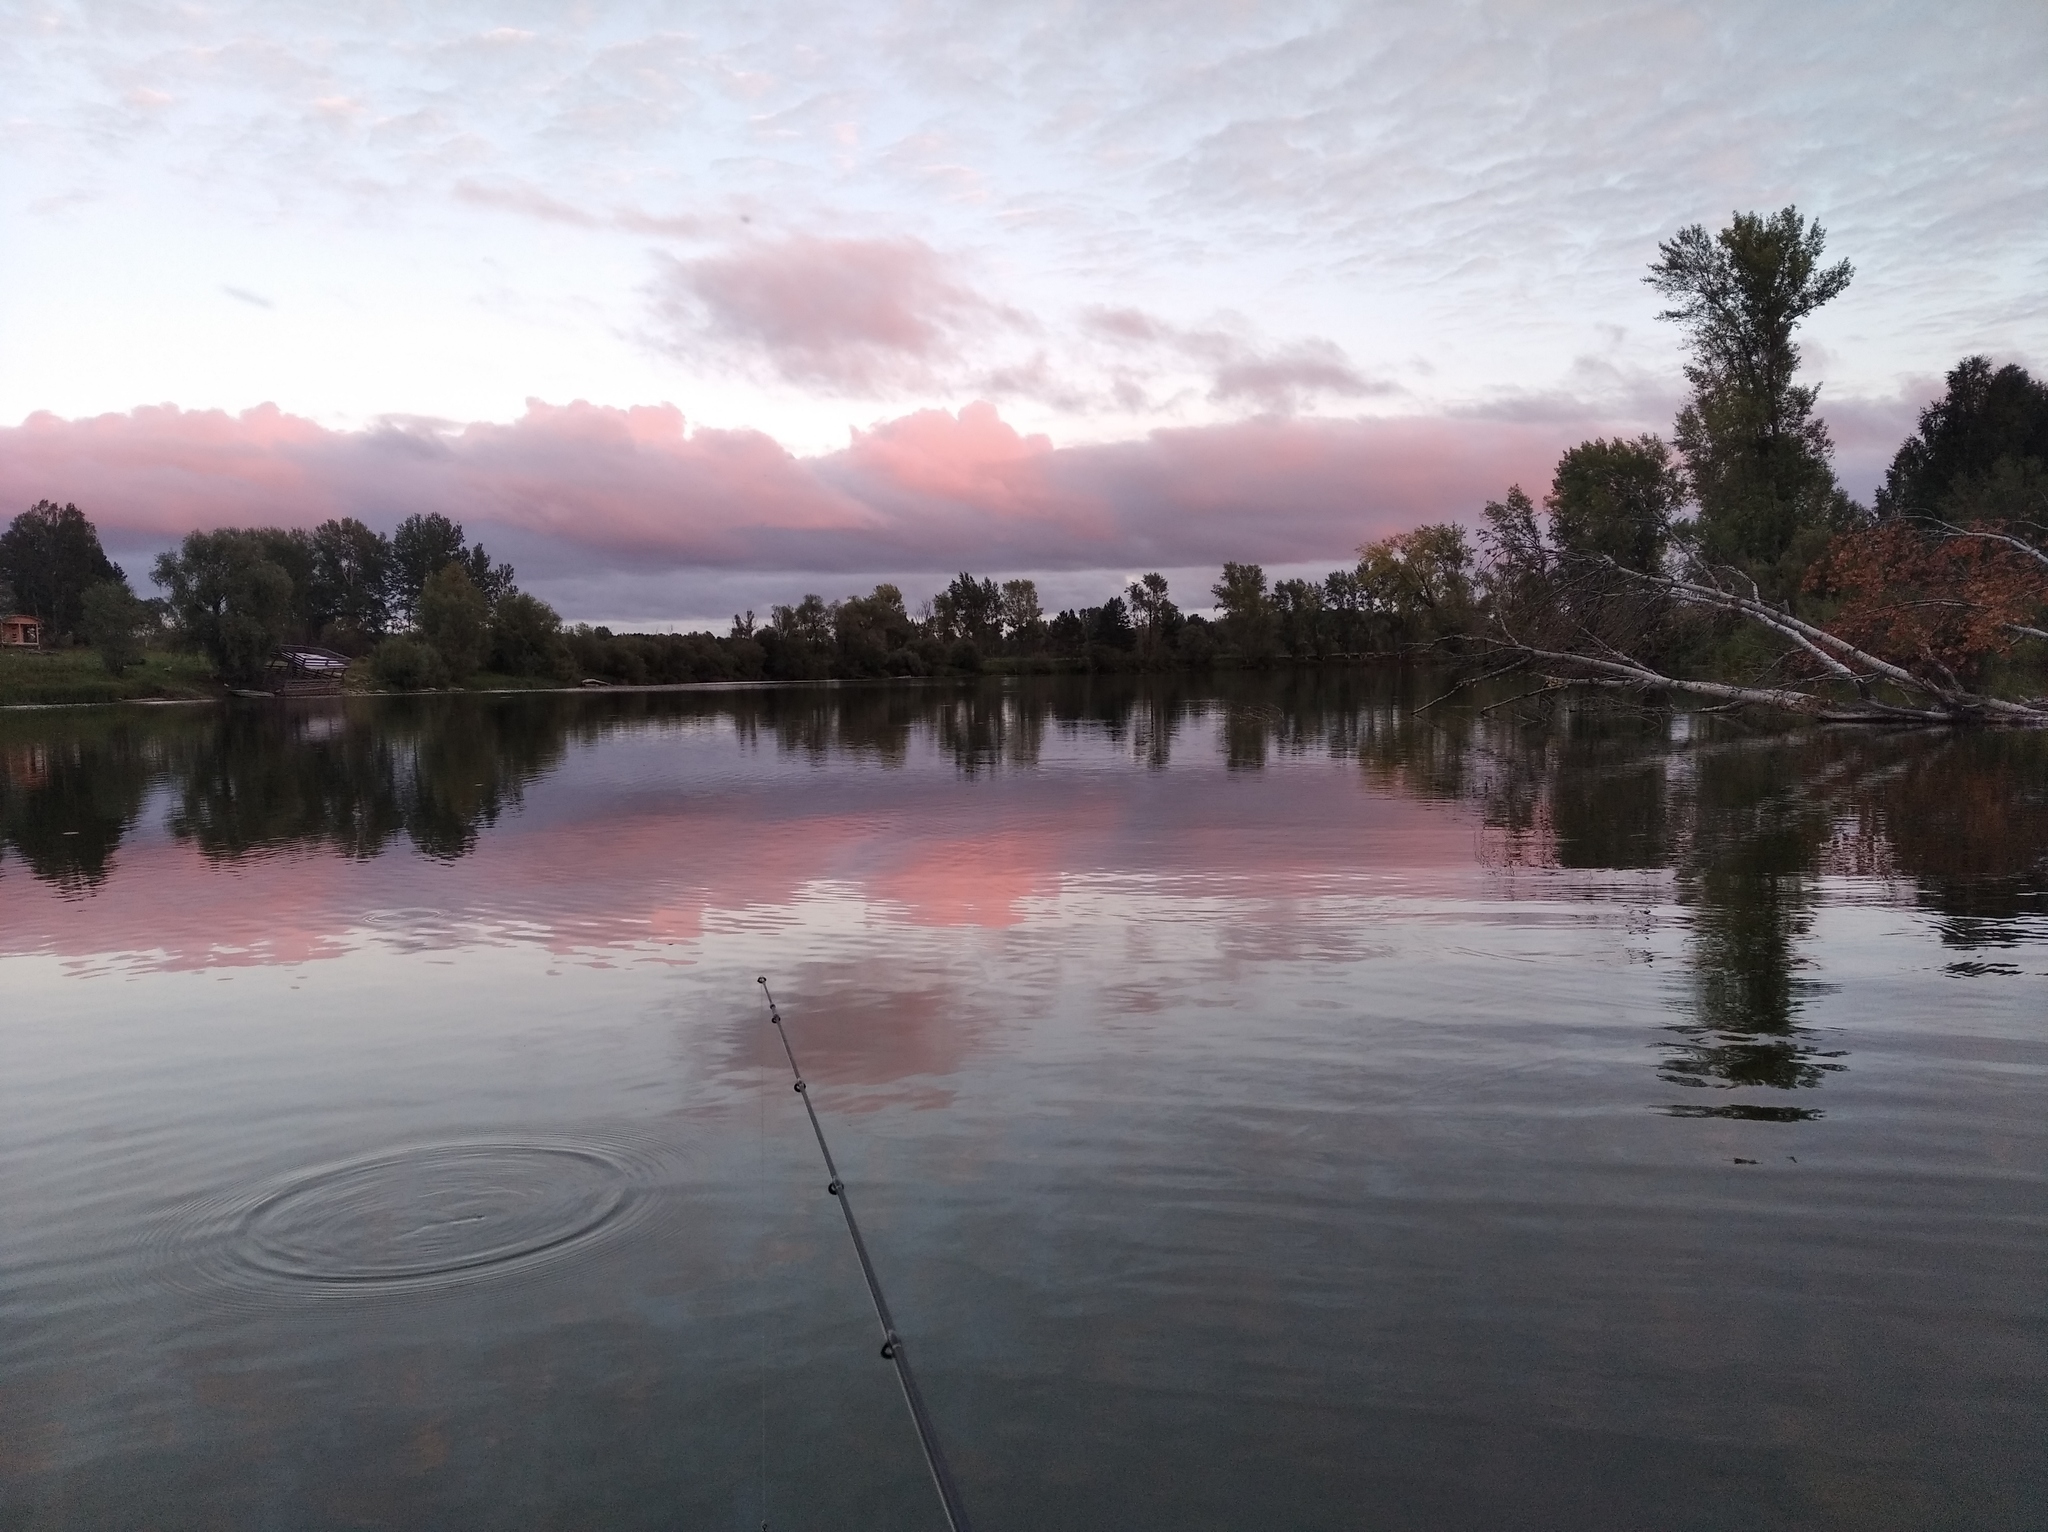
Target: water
[1270,1105]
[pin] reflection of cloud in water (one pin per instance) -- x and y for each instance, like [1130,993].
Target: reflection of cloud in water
[867,1040]
[652,829]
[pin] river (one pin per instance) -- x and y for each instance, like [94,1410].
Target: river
[1275,1101]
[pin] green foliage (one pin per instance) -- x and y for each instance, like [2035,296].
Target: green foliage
[350,594]
[1023,621]
[454,618]
[425,545]
[970,608]
[525,638]
[1248,625]
[114,621]
[291,549]
[1419,583]
[50,555]
[1756,456]
[869,629]
[228,598]
[1969,458]
[401,664]
[1615,500]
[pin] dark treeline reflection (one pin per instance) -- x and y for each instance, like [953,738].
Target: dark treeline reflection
[1744,822]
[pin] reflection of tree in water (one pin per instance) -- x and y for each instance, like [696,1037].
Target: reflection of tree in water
[436,770]
[70,794]
[1754,821]
[982,728]
[1748,824]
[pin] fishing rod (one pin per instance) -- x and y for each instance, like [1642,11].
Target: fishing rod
[892,1343]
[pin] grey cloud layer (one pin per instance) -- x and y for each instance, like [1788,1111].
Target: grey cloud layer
[1479,182]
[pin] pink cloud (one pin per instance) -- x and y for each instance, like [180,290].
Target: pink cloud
[636,489]
[861,314]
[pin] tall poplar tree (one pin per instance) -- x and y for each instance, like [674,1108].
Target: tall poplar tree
[1756,456]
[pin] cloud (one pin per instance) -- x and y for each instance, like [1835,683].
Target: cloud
[860,315]
[243,295]
[582,487]
[1275,379]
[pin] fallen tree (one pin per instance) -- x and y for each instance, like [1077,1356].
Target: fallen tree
[1929,595]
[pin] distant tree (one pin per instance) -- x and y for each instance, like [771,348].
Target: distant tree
[454,618]
[1421,582]
[351,583]
[1615,500]
[114,621]
[1298,606]
[228,598]
[1970,458]
[1344,599]
[971,609]
[50,555]
[808,622]
[1110,625]
[1067,634]
[1156,616]
[1756,456]
[525,637]
[291,549]
[424,545]
[1023,623]
[1247,610]
[869,629]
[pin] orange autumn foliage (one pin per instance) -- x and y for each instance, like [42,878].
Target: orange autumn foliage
[1930,600]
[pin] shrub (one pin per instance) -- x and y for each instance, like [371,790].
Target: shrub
[404,665]
[113,624]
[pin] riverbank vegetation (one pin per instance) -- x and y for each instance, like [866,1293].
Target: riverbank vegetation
[1726,564]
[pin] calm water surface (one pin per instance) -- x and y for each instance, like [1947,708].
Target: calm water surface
[1270,1106]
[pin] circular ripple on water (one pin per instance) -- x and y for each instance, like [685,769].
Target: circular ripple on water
[423,1217]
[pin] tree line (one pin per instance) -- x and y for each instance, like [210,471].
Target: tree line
[1729,564]
[1726,563]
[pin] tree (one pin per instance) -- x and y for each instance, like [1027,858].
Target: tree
[454,618]
[869,629]
[228,598]
[525,637]
[1023,622]
[969,608]
[51,555]
[1155,615]
[1110,625]
[1421,580]
[1298,605]
[351,583]
[291,549]
[113,624]
[1615,500]
[1756,457]
[1247,609]
[422,546]
[1971,443]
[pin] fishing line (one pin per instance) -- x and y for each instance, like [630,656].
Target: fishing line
[892,1343]
[761,1067]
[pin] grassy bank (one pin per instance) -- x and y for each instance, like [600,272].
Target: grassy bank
[76,675]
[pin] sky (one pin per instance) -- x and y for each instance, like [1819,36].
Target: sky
[686,310]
